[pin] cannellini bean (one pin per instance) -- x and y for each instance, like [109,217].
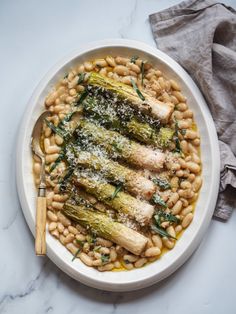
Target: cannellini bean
[72,248]
[121,60]
[178,229]
[86,247]
[191,177]
[80,237]
[104,250]
[65,232]
[188,193]
[52,226]
[197,184]
[51,216]
[103,71]
[69,238]
[184,124]
[175,85]
[65,221]
[55,233]
[177,207]
[106,267]
[172,200]
[192,149]
[57,205]
[188,114]
[62,238]
[113,255]
[51,158]
[190,135]
[184,146]
[140,262]
[185,185]
[174,100]
[73,82]
[152,251]
[103,242]
[156,239]
[196,142]
[187,220]
[117,264]
[134,67]
[182,106]
[161,82]
[51,98]
[88,66]
[86,259]
[193,167]
[97,262]
[100,63]
[130,258]
[187,210]
[169,243]
[196,158]
[177,115]
[81,68]
[171,231]
[60,198]
[111,61]
[184,202]
[58,140]
[179,96]
[73,230]
[127,80]
[121,70]
[60,227]
[128,266]
[49,198]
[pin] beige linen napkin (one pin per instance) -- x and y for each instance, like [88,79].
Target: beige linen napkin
[201,36]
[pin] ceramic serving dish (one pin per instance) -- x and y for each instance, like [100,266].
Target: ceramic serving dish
[168,263]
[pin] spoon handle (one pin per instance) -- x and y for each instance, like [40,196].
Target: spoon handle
[40,234]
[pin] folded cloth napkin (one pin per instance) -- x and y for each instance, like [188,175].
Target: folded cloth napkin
[201,36]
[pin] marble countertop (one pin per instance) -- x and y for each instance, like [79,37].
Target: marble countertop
[33,36]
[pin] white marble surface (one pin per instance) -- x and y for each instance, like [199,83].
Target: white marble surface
[33,35]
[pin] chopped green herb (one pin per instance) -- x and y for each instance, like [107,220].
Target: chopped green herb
[161,231]
[81,243]
[162,216]
[135,87]
[176,138]
[117,190]
[55,129]
[58,160]
[183,131]
[81,78]
[162,183]
[133,59]
[66,119]
[83,95]
[158,200]
[76,254]
[105,258]
[97,248]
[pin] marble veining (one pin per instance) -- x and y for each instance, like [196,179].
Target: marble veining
[34,35]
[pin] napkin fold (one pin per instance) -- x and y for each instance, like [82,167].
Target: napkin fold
[201,36]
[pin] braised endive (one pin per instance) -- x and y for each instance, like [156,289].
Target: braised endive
[104,226]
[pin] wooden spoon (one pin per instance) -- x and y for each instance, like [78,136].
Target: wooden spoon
[40,231]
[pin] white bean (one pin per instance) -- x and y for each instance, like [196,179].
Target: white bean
[187,220]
